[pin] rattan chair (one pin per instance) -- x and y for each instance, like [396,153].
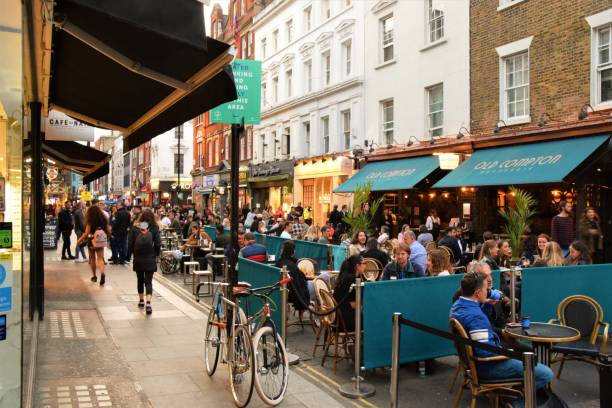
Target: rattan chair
[308,267]
[319,322]
[431,246]
[373,269]
[585,315]
[467,363]
[449,253]
[336,333]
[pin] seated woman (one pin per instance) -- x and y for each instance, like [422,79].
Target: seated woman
[196,235]
[504,254]
[551,255]
[489,252]
[401,268]
[351,268]
[578,254]
[358,243]
[438,263]
[298,289]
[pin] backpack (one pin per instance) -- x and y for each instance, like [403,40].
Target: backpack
[143,243]
[99,239]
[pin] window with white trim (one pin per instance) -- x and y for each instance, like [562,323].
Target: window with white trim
[515,80]
[275,89]
[346,128]
[262,147]
[604,64]
[386,31]
[507,3]
[263,48]
[435,110]
[275,40]
[325,133]
[386,109]
[326,67]
[264,94]
[274,144]
[347,57]
[286,142]
[243,138]
[307,19]
[289,30]
[308,75]
[306,138]
[289,82]
[249,143]
[325,9]
[435,20]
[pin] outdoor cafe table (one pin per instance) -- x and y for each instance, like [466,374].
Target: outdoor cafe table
[542,336]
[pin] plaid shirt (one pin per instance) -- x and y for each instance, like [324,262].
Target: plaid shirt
[299,230]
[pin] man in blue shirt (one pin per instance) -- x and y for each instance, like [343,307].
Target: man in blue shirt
[468,312]
[418,254]
[401,268]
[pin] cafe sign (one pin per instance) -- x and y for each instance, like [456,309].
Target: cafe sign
[62,127]
[519,164]
[265,170]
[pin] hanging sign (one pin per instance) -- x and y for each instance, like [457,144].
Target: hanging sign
[62,127]
[247,78]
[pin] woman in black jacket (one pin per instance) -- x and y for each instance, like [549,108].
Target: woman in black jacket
[298,289]
[489,253]
[351,268]
[145,244]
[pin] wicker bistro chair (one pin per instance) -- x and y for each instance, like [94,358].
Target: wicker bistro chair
[336,334]
[449,253]
[308,266]
[431,246]
[585,315]
[467,363]
[373,269]
[320,322]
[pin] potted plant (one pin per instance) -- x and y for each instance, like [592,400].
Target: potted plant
[356,219]
[518,219]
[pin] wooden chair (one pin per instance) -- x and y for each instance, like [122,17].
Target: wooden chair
[336,333]
[467,363]
[373,269]
[319,322]
[308,267]
[585,315]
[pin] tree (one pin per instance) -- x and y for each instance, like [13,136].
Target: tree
[356,219]
[517,218]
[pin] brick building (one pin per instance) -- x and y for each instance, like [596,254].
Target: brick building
[212,140]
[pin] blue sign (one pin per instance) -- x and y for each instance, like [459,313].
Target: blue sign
[2,327]
[6,299]
[2,274]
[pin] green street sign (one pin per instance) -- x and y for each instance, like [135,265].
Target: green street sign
[247,77]
[6,235]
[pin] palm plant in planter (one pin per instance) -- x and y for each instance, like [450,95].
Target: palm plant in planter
[356,219]
[517,219]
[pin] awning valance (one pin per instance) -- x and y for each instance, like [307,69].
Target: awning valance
[392,174]
[535,163]
[138,67]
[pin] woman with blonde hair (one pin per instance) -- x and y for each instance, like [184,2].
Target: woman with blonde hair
[438,263]
[552,254]
[313,233]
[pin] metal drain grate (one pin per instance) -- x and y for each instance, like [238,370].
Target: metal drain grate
[77,396]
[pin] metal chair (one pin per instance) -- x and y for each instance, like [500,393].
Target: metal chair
[585,315]
[373,269]
[467,363]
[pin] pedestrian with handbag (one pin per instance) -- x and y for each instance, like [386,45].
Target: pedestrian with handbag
[145,244]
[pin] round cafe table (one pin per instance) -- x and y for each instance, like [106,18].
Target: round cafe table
[542,336]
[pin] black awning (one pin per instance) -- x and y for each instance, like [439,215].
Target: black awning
[90,163]
[140,67]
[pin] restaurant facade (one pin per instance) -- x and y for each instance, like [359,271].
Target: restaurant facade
[271,184]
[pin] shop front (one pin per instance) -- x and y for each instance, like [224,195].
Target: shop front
[315,182]
[225,189]
[271,184]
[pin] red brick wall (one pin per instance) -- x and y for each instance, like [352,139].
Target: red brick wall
[560,56]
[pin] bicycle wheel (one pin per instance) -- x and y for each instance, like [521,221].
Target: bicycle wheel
[271,366]
[241,367]
[167,264]
[212,342]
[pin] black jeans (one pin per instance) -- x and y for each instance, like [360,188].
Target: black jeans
[66,243]
[145,280]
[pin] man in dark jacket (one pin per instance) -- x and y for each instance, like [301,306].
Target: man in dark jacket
[450,241]
[145,244]
[335,216]
[65,224]
[121,227]
[372,251]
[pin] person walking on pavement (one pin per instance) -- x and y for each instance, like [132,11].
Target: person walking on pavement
[79,229]
[145,244]
[96,235]
[120,232]
[66,225]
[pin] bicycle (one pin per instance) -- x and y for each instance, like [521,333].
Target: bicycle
[168,263]
[270,357]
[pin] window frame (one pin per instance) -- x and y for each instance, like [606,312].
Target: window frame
[307,18]
[275,38]
[432,131]
[275,89]
[430,23]
[263,45]
[504,91]
[289,30]
[326,9]
[325,133]
[289,83]
[306,136]
[347,57]
[504,52]
[326,74]
[384,46]
[286,142]
[384,130]
[597,68]
[346,131]
[307,67]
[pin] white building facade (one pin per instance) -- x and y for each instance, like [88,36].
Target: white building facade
[312,55]
[116,168]
[168,162]
[416,69]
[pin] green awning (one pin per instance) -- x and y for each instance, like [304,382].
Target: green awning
[546,162]
[392,174]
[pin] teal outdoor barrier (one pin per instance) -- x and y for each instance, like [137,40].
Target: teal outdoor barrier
[274,245]
[544,288]
[312,250]
[339,254]
[425,300]
[260,238]
[211,231]
[258,275]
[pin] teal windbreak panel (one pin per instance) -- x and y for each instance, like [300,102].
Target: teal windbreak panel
[312,250]
[534,163]
[274,245]
[339,253]
[211,231]
[392,174]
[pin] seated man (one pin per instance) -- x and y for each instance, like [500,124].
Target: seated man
[252,250]
[372,251]
[468,312]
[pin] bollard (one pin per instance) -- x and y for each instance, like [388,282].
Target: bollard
[529,362]
[395,354]
[293,359]
[605,380]
[513,294]
[357,389]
